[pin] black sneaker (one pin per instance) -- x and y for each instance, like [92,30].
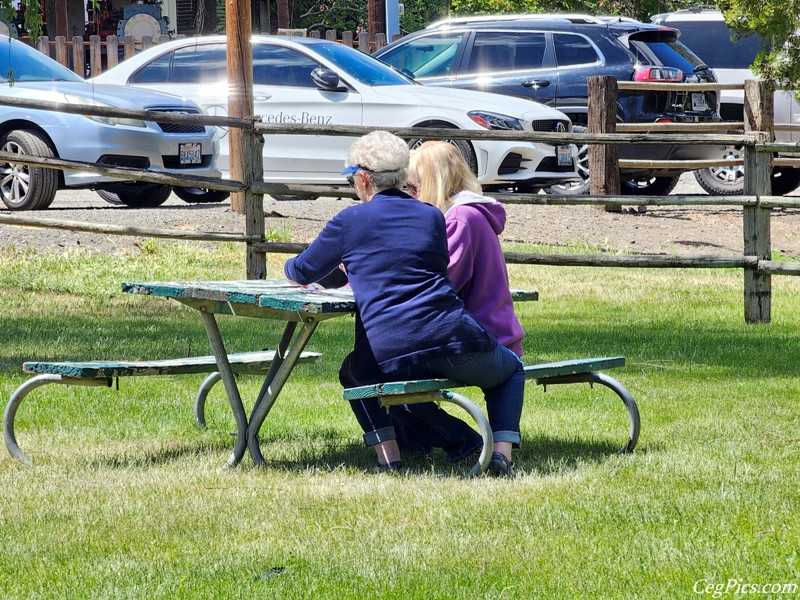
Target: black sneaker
[392,467]
[500,466]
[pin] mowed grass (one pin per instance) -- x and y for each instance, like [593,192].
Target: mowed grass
[127,499]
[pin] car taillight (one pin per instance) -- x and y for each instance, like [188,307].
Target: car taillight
[658,74]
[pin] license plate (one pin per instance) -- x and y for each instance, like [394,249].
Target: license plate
[190,154]
[699,102]
[564,154]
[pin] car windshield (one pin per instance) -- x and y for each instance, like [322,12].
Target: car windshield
[363,68]
[19,62]
[713,43]
[670,54]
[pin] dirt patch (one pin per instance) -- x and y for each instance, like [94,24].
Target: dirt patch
[659,230]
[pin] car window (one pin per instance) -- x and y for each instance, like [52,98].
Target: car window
[362,67]
[156,71]
[574,50]
[428,56]
[278,66]
[203,64]
[712,42]
[200,64]
[506,51]
[19,62]
[670,54]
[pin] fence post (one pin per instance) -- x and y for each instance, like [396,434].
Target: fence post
[61,50]
[363,42]
[130,46]
[380,40]
[78,56]
[112,51]
[43,45]
[758,119]
[256,262]
[347,38]
[603,159]
[95,55]
[330,35]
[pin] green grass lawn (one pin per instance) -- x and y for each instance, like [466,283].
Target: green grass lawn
[127,499]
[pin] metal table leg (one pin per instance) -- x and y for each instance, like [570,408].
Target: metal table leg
[232,390]
[273,383]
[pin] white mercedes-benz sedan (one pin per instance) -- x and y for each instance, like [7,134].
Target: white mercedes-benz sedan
[310,81]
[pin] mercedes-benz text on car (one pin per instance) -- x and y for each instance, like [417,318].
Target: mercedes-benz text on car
[308,81]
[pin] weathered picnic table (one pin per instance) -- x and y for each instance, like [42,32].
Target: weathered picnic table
[266,299]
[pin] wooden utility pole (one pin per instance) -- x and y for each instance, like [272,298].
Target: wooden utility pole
[376,19]
[283,14]
[61,18]
[245,149]
[240,86]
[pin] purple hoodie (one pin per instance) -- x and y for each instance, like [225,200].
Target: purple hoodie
[477,268]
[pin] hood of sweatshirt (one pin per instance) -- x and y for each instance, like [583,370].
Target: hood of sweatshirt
[494,212]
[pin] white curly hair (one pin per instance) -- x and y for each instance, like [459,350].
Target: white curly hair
[384,155]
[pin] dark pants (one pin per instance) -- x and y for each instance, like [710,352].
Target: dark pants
[498,372]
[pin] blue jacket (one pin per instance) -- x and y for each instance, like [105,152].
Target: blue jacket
[395,251]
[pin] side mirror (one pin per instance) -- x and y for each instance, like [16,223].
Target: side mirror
[326,79]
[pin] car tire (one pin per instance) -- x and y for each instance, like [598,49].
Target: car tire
[719,181]
[25,187]
[200,195]
[723,180]
[578,187]
[650,186]
[138,195]
[785,180]
[463,146]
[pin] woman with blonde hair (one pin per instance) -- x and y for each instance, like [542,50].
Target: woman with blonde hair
[410,323]
[440,176]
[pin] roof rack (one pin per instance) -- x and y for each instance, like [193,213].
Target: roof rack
[569,17]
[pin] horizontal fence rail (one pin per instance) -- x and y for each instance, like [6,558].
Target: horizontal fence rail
[756,203]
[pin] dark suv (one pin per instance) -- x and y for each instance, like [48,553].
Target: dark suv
[548,58]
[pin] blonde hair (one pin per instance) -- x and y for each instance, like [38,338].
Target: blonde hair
[440,173]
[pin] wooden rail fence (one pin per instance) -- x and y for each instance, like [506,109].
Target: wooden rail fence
[757,200]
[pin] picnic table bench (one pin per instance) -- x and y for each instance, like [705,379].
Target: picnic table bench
[564,372]
[103,373]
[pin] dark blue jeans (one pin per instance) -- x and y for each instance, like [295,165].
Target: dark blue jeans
[498,372]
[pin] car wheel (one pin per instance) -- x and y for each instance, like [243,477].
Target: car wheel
[723,180]
[24,187]
[577,187]
[651,186]
[198,195]
[785,180]
[137,195]
[463,146]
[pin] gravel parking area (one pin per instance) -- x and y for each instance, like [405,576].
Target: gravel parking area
[665,230]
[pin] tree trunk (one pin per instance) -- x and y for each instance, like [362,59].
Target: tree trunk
[283,14]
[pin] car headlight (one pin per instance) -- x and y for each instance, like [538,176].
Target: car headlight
[106,120]
[491,120]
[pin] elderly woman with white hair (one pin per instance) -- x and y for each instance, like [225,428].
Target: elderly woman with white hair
[410,323]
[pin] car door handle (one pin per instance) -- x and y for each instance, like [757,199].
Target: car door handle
[262,97]
[535,83]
